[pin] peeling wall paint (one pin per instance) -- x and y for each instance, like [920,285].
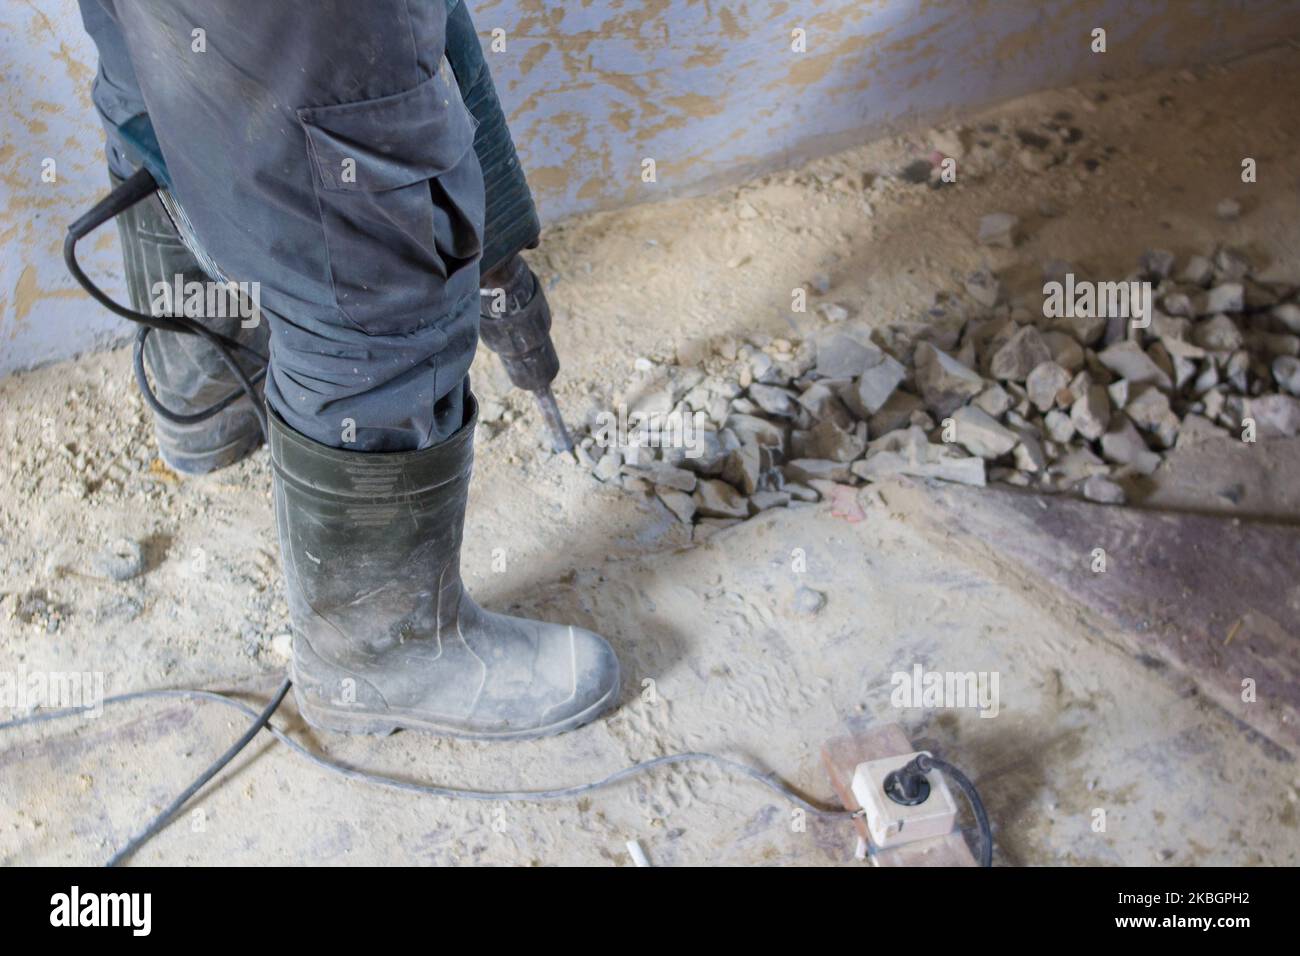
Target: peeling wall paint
[711,90]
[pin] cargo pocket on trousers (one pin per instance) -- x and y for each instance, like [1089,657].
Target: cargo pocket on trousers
[379,165]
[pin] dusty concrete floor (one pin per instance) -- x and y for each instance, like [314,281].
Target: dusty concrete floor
[735,669]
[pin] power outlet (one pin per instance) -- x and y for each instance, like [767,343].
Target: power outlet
[890,823]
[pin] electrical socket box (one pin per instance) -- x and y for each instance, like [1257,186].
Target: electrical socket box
[890,823]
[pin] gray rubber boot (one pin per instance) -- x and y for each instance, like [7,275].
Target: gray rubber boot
[187,373]
[385,636]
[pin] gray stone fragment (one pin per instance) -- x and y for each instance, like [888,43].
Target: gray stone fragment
[1276,416]
[895,413]
[1286,372]
[775,401]
[763,500]
[879,382]
[828,440]
[1020,355]
[1123,445]
[1101,489]
[1127,360]
[980,434]
[804,470]
[743,467]
[1198,271]
[610,466]
[679,503]
[966,471]
[1066,351]
[801,492]
[944,383]
[1149,410]
[1218,334]
[751,428]
[844,356]
[1044,383]
[1059,426]
[1288,313]
[993,400]
[1090,413]
[662,473]
[1228,297]
[717,499]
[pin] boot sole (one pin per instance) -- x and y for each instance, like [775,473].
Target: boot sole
[347,720]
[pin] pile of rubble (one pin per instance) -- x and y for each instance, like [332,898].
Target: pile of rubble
[982,391]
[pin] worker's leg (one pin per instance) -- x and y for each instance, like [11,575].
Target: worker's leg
[320,148]
[188,375]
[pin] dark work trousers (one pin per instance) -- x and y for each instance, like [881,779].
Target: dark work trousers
[321,149]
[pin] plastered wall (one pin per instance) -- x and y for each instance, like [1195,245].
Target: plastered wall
[711,90]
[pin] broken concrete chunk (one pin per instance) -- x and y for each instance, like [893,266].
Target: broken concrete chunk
[1045,382]
[828,440]
[1118,392]
[1276,416]
[717,499]
[844,355]
[895,413]
[663,475]
[1059,426]
[1218,334]
[679,503]
[1066,352]
[1198,271]
[994,400]
[1228,297]
[1286,372]
[1123,445]
[773,400]
[801,492]
[879,382]
[1150,411]
[1090,413]
[1102,490]
[610,466]
[944,383]
[1020,355]
[805,470]
[751,428]
[1288,314]
[743,467]
[1127,360]
[763,500]
[980,434]
[966,471]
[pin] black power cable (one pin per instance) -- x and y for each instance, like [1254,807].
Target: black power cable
[908,786]
[138,187]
